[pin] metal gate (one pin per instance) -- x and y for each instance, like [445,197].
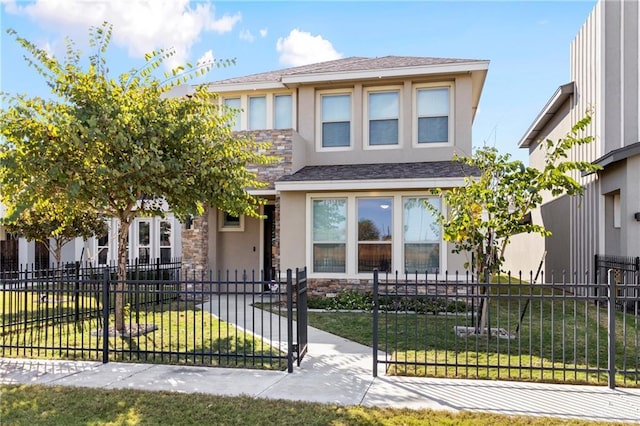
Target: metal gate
[623,274]
[297,294]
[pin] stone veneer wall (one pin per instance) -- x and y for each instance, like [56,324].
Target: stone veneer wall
[281,146]
[324,286]
[195,240]
[195,246]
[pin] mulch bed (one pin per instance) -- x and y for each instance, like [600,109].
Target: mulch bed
[130,330]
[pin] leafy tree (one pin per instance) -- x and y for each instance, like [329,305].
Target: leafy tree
[121,146]
[493,204]
[49,220]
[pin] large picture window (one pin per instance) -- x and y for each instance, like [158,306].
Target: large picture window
[433,115]
[421,235]
[375,225]
[336,120]
[384,111]
[329,235]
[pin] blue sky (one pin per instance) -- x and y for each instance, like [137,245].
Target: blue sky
[526,42]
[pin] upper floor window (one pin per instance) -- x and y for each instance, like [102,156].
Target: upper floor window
[235,104]
[384,113]
[432,105]
[257,113]
[283,112]
[336,120]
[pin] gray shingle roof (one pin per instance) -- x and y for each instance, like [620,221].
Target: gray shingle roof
[353,63]
[427,170]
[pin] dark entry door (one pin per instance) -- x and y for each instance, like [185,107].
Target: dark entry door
[269,242]
[9,253]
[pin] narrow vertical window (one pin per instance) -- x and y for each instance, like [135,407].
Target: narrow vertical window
[283,107]
[336,121]
[329,235]
[384,109]
[617,212]
[166,242]
[144,241]
[103,248]
[433,115]
[421,236]
[375,225]
[257,113]
[234,103]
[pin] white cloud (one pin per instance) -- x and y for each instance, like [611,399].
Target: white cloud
[207,58]
[264,32]
[247,36]
[138,25]
[302,48]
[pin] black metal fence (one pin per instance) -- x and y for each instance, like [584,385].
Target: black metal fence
[297,293]
[564,330]
[232,319]
[623,273]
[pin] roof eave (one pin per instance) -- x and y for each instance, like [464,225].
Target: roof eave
[454,68]
[618,155]
[546,114]
[244,87]
[369,184]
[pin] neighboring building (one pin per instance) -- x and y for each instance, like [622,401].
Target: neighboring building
[149,238]
[604,77]
[363,141]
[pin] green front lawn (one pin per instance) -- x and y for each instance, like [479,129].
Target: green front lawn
[184,334]
[555,334]
[48,405]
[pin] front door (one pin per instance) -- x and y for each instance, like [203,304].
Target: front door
[268,243]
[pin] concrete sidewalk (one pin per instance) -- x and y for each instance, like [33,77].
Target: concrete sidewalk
[338,371]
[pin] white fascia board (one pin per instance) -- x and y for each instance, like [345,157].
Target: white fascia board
[245,87]
[357,185]
[262,192]
[387,72]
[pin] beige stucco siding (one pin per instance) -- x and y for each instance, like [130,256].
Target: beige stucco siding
[460,138]
[293,237]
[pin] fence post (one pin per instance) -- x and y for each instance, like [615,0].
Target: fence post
[375,323]
[611,316]
[289,320]
[105,316]
[76,296]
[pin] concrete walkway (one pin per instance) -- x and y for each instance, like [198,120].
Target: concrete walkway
[338,371]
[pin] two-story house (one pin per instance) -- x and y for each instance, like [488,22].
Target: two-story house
[363,141]
[605,77]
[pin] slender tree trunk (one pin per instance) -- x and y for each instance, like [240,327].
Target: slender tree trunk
[123,233]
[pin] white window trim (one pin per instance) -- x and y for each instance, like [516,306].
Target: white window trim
[241,113]
[397,242]
[270,118]
[223,228]
[415,117]
[365,117]
[309,229]
[154,239]
[272,123]
[319,95]
[266,110]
